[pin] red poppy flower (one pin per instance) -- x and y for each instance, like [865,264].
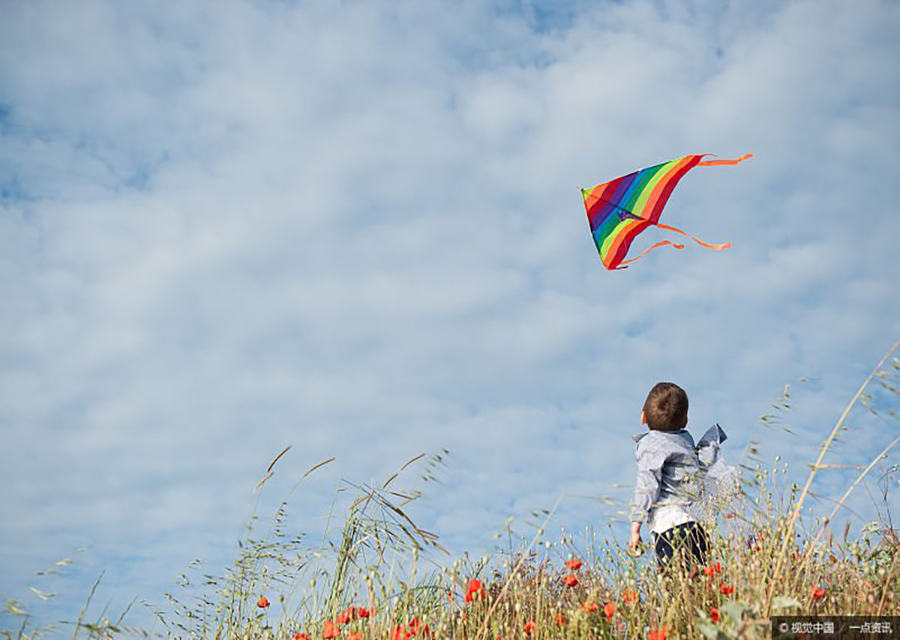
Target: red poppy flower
[560,620]
[714,614]
[363,613]
[817,593]
[416,627]
[726,589]
[658,634]
[345,616]
[475,589]
[400,633]
[590,606]
[729,515]
[529,627]
[713,569]
[570,580]
[609,610]
[574,564]
[330,630]
[629,596]
[262,603]
[300,636]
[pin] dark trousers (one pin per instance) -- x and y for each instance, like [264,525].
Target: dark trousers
[689,539]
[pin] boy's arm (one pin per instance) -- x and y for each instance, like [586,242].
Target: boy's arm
[650,462]
[635,542]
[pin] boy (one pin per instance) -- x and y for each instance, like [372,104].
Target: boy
[666,488]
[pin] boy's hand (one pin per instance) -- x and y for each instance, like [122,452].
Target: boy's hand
[635,544]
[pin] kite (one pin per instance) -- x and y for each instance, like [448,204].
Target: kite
[621,209]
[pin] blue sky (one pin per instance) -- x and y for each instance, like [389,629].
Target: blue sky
[356,228]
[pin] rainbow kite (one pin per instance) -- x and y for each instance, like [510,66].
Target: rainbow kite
[621,209]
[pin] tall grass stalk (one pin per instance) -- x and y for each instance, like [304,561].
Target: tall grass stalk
[788,536]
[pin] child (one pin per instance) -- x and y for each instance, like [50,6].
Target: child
[667,484]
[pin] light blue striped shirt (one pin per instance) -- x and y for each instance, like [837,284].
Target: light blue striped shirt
[671,476]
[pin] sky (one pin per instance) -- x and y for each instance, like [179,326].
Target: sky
[356,228]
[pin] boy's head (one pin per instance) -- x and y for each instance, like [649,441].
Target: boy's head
[666,408]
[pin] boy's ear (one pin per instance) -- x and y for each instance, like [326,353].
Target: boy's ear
[643,418]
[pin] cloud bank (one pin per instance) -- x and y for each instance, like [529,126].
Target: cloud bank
[356,229]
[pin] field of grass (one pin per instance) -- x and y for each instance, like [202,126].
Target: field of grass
[382,576]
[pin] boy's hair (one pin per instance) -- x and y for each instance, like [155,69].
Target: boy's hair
[666,407]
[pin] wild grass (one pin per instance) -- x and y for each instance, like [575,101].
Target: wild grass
[377,574]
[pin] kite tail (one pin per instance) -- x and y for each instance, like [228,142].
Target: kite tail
[648,250]
[719,163]
[714,247]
